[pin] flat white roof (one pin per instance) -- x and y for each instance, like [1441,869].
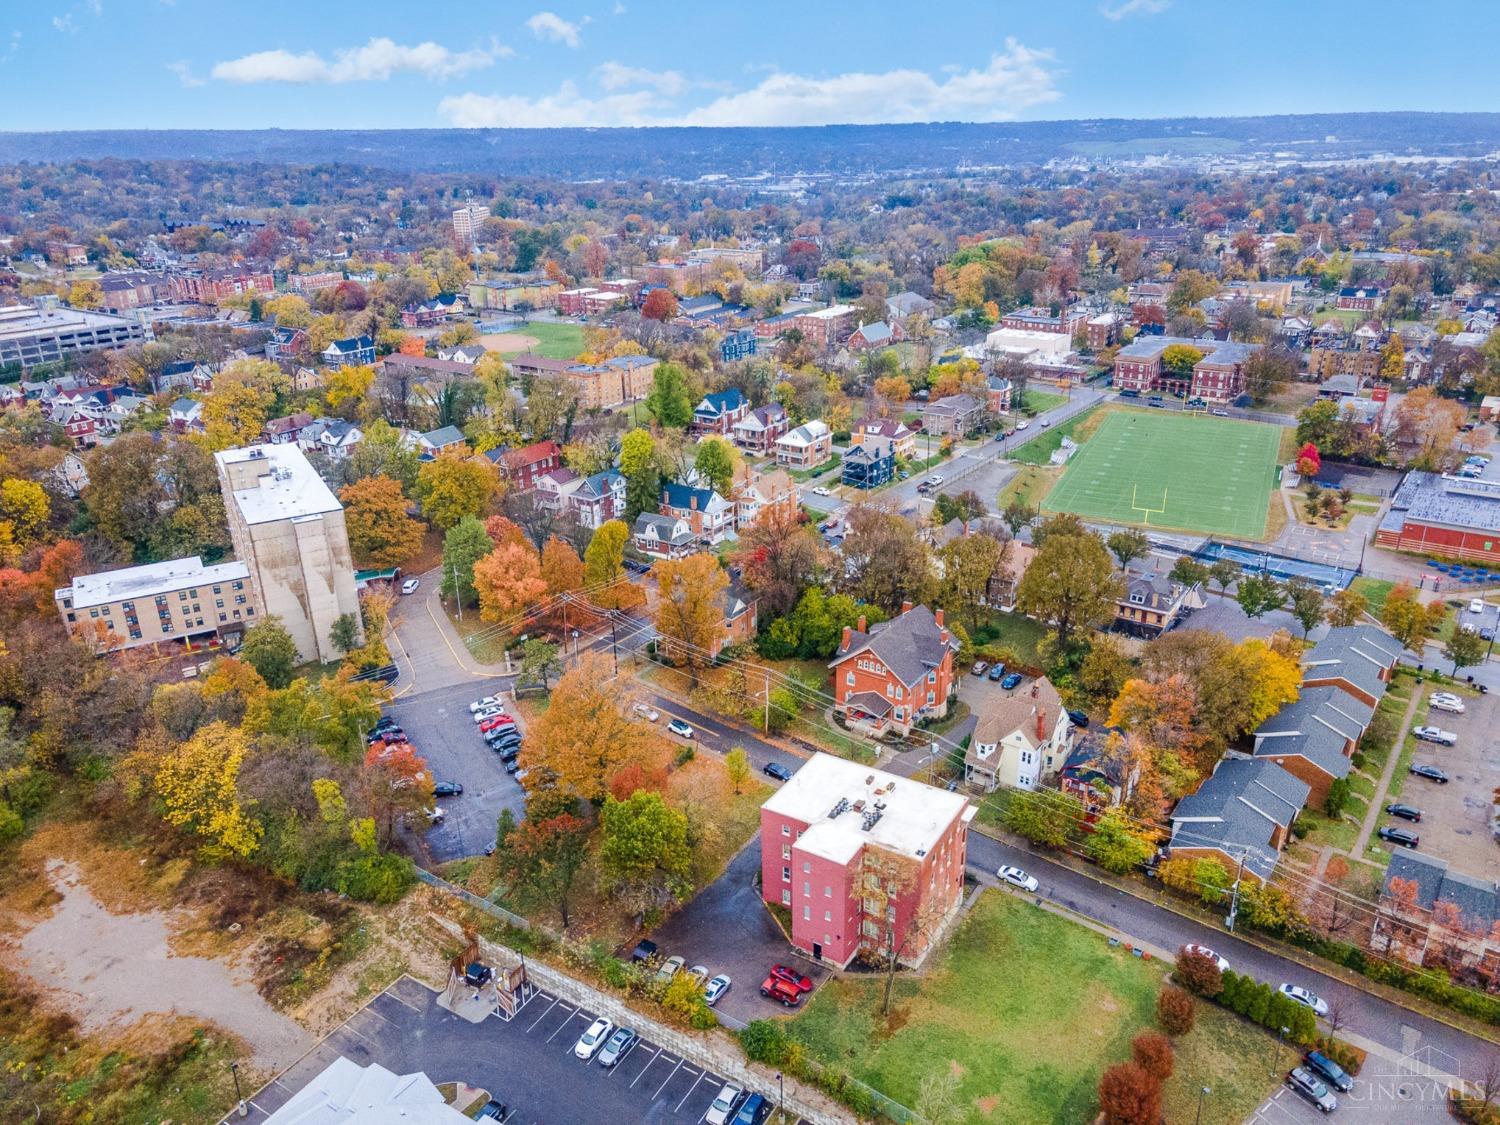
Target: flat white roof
[830,312]
[25,320]
[149,580]
[913,816]
[288,486]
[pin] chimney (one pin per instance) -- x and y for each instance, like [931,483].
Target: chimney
[693,502]
[844,644]
[664,495]
[939,618]
[1041,724]
[906,607]
[861,625]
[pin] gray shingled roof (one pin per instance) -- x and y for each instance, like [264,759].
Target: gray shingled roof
[1356,653]
[1320,706]
[1320,745]
[1237,809]
[909,645]
[1478,901]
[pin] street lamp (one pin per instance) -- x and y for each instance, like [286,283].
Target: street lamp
[242,1110]
[1203,1092]
[781,1098]
[1276,1058]
[575,642]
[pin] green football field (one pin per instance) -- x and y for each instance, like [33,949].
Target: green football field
[1185,472]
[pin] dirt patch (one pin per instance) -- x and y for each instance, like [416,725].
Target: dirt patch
[510,343]
[987,1105]
[109,969]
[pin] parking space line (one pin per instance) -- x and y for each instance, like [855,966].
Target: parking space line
[645,1068]
[671,1076]
[630,1050]
[691,1088]
[541,1017]
[566,1020]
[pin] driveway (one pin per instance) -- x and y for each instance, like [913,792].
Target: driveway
[527,1063]
[727,928]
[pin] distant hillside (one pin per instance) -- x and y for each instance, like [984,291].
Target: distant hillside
[689,153]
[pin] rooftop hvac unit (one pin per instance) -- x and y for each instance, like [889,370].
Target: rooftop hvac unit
[871,818]
[839,809]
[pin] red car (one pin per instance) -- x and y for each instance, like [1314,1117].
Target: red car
[779,990]
[495,723]
[793,978]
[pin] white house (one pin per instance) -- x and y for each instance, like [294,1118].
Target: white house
[810,444]
[1021,736]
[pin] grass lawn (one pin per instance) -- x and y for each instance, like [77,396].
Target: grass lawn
[816,471]
[1374,591]
[1030,486]
[1039,450]
[1039,402]
[1026,1041]
[1015,631]
[555,341]
[1187,472]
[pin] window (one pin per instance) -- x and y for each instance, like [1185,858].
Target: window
[931,699]
[849,677]
[807,914]
[182,595]
[93,613]
[806,889]
[240,600]
[932,677]
[827,916]
[218,603]
[223,617]
[806,867]
[786,851]
[786,875]
[786,829]
[218,589]
[249,612]
[786,898]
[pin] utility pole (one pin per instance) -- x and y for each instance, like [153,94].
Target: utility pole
[458,595]
[614,650]
[1234,902]
[768,701]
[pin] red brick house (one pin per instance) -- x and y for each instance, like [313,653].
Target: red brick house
[525,466]
[719,411]
[857,855]
[895,674]
[1218,377]
[1362,298]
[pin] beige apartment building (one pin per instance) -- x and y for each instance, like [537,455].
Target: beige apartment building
[288,529]
[164,601]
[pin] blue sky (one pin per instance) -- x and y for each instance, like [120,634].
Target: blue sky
[80,64]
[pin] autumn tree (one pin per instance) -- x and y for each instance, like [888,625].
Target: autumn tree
[1409,620]
[970,563]
[454,486]
[197,783]
[541,857]
[715,462]
[641,468]
[737,765]
[561,568]
[1175,1010]
[1198,973]
[690,610]
[1465,648]
[660,304]
[270,650]
[1044,816]
[604,558]
[465,544]
[1071,583]
[886,561]
[1105,669]
[1347,607]
[1427,424]
[1116,844]
[779,557]
[397,784]
[644,855]
[584,737]
[1152,1051]
[508,580]
[380,531]
[1130,1095]
[1127,546]
[234,414]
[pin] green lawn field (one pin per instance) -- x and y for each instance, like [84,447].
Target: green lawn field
[554,340]
[1185,472]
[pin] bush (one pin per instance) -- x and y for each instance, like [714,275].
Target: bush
[1199,974]
[376,878]
[1129,1095]
[1175,1010]
[764,1041]
[1338,797]
[12,827]
[1152,1052]
[1349,1057]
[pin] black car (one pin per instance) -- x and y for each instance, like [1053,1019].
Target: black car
[1078,719]
[446,789]
[385,722]
[1431,773]
[1405,812]
[512,765]
[644,950]
[386,734]
[777,770]
[1399,836]
[493,1111]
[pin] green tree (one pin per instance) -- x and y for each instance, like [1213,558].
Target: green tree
[270,650]
[464,545]
[1188,571]
[1305,602]
[1116,845]
[1044,816]
[1338,797]
[1071,583]
[1128,545]
[1408,619]
[1465,648]
[1317,422]
[715,463]
[1224,573]
[669,401]
[539,660]
[344,634]
[544,853]
[641,468]
[604,558]
[644,854]
[969,564]
[1259,594]
[737,765]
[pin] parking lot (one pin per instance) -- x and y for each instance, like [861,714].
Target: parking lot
[1456,817]
[441,728]
[527,1063]
[1375,1098]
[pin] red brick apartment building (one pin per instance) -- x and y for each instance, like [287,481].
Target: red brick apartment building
[843,844]
[895,674]
[1040,319]
[212,286]
[1218,377]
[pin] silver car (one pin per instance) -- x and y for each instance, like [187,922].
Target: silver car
[1302,1082]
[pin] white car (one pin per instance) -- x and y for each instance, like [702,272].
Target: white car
[1446,701]
[591,1040]
[1204,951]
[488,713]
[485,704]
[1476,605]
[934,481]
[1022,424]
[646,712]
[724,1105]
[1305,998]
[680,728]
[821,491]
[410,585]
[1435,734]
[716,989]
[1018,878]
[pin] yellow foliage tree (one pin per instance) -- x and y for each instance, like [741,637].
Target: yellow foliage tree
[25,507]
[690,615]
[348,387]
[197,784]
[508,579]
[234,414]
[454,486]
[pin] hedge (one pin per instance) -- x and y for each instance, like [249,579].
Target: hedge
[1262,1004]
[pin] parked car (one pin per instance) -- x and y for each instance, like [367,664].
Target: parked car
[1399,836]
[493,1111]
[1436,734]
[617,1047]
[820,491]
[1302,1082]
[1405,812]
[503,738]
[1329,1071]
[1218,412]
[1018,878]
[385,722]
[699,973]
[487,714]
[591,1040]
[781,992]
[650,714]
[1476,605]
[934,481]
[485,704]
[1431,773]
[776,770]
[446,789]
[788,975]
[496,723]
[644,950]
[1305,998]
[1078,719]
[670,968]
[724,1105]
[1022,424]
[754,1110]
[1011,682]
[389,736]
[680,728]
[1446,701]
[716,989]
[997,671]
[1204,951]
[979,667]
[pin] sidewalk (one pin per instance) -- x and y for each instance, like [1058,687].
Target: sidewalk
[1377,800]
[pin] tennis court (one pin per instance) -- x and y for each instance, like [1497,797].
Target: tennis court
[1187,472]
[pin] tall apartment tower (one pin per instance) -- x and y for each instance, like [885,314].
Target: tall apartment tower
[288,528]
[466,222]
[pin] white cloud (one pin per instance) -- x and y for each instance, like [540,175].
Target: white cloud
[65,23]
[1126,8]
[12,45]
[618,76]
[550,25]
[619,8]
[376,61]
[184,74]
[1014,79]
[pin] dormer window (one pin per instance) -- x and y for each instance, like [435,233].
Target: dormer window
[1137,597]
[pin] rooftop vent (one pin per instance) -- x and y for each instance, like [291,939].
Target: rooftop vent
[839,809]
[871,818]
